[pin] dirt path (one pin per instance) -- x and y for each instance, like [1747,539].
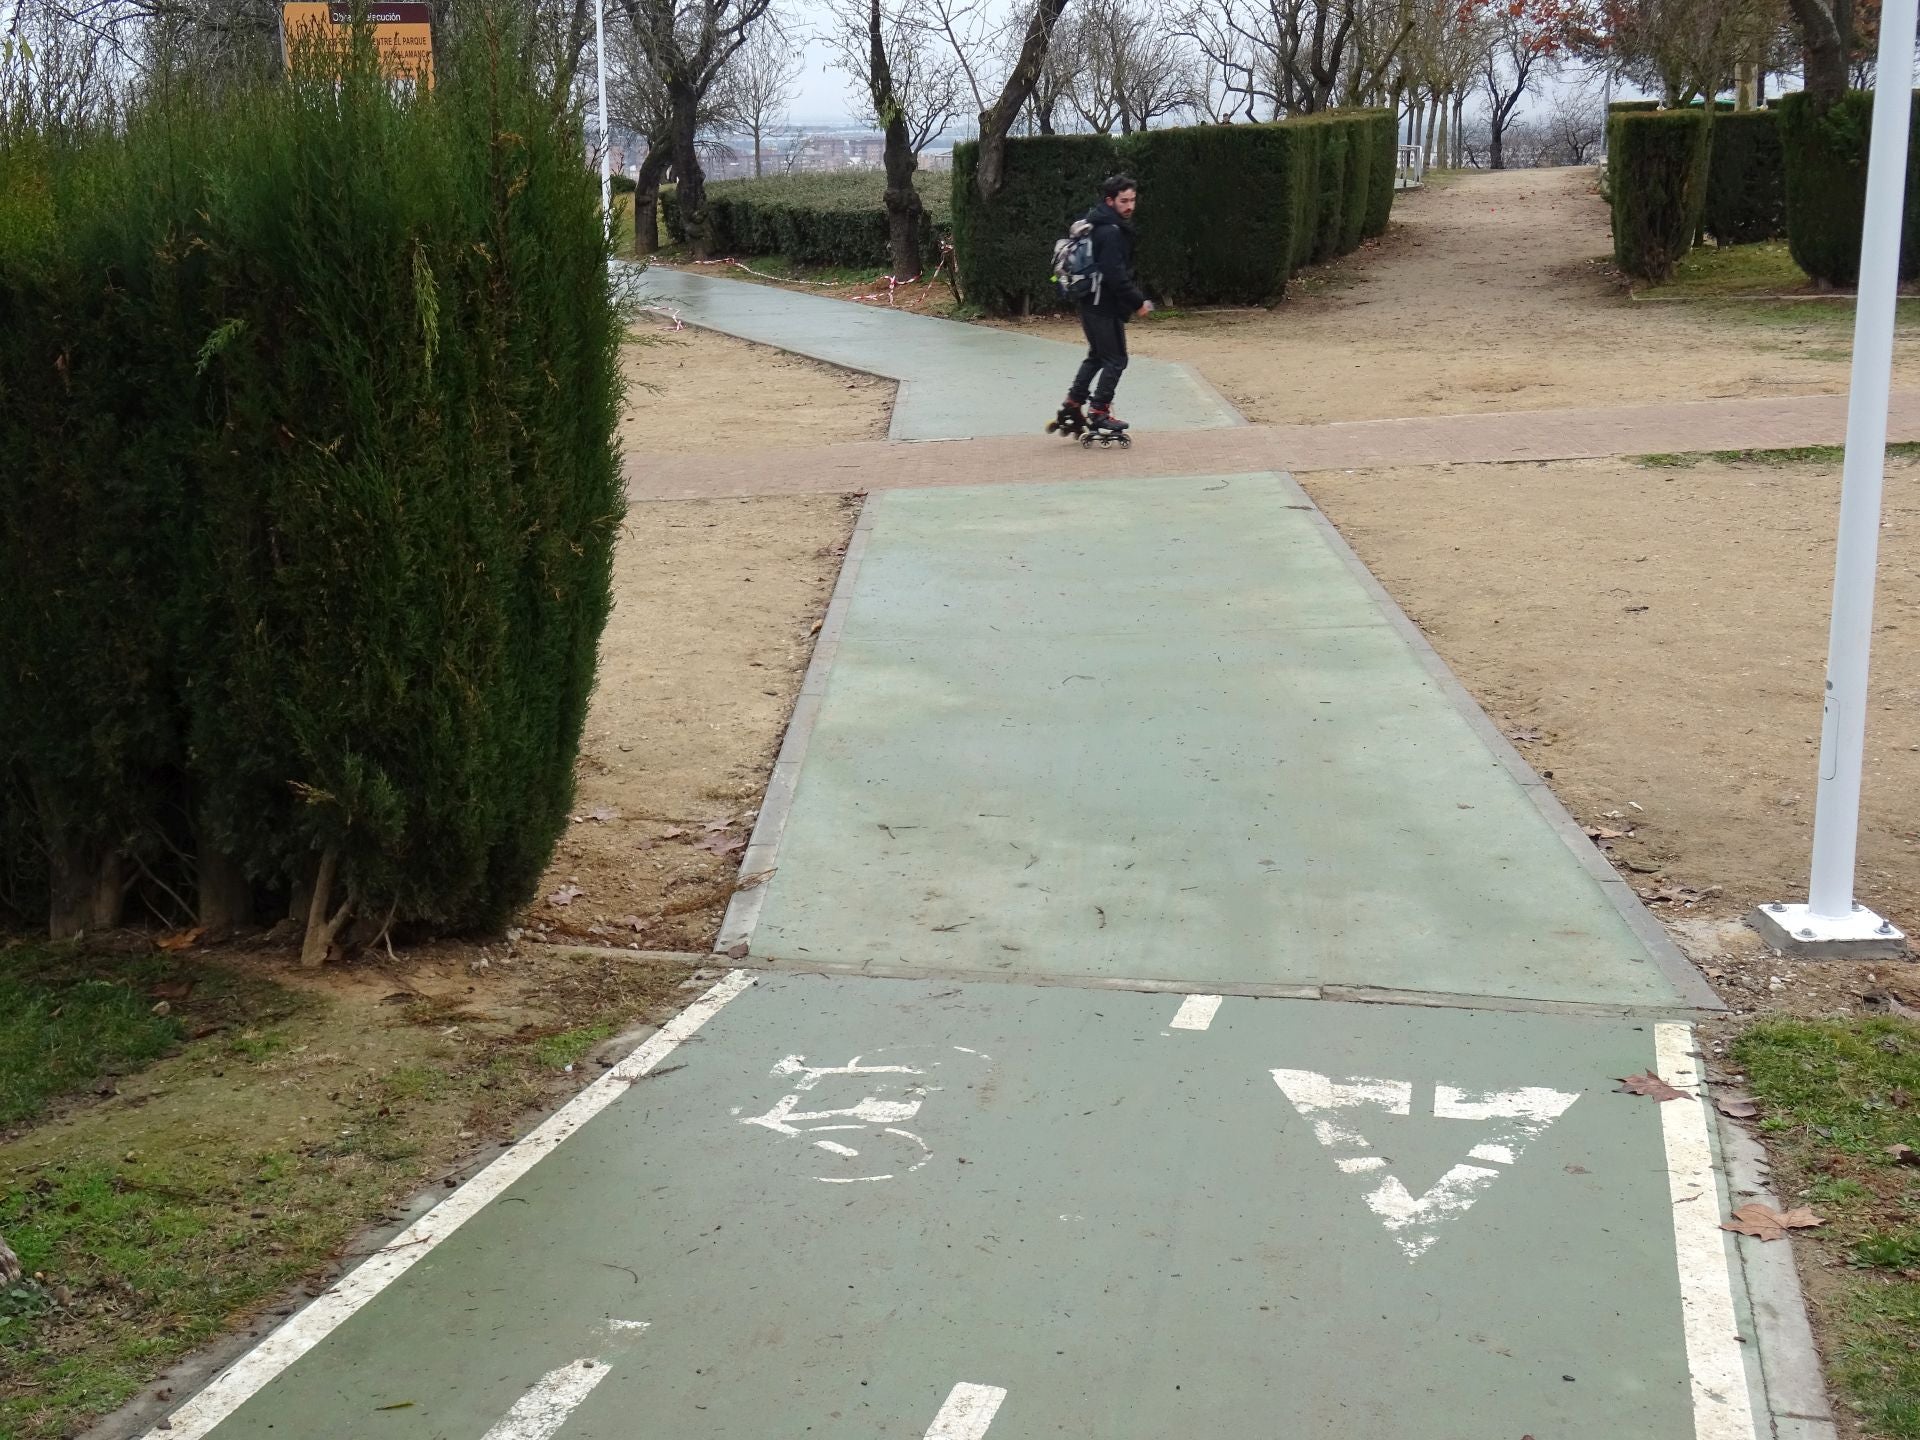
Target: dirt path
[1492,292]
[1661,666]
[714,609]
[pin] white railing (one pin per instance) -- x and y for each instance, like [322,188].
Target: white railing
[1409,166]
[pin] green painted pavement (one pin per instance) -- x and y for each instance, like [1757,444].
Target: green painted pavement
[956,381]
[1158,730]
[1128,1228]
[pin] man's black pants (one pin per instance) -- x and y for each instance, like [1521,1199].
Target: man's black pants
[1106,357]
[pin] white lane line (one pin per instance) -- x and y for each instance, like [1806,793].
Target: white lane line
[1196,1012]
[539,1414]
[968,1412]
[1722,1408]
[248,1375]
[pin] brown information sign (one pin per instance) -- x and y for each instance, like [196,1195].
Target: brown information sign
[402,31]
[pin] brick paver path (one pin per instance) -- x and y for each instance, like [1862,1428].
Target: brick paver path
[1772,422]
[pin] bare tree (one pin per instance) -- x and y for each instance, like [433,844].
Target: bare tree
[1683,50]
[1129,68]
[1528,39]
[1053,80]
[687,45]
[759,84]
[997,119]
[912,85]
[1575,125]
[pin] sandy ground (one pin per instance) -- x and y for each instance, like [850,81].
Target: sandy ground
[1654,640]
[1491,292]
[715,604]
[694,390]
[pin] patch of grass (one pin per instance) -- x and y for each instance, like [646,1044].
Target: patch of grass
[1837,1095]
[151,1260]
[557,1052]
[68,1018]
[1713,272]
[1743,284]
[245,1161]
[1787,455]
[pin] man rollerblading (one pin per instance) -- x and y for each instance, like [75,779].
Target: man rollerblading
[1094,266]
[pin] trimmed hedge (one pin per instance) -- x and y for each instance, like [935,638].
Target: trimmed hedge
[833,219]
[1005,250]
[1746,181]
[1228,212]
[1385,167]
[309,539]
[1824,160]
[1336,138]
[1632,107]
[1658,178]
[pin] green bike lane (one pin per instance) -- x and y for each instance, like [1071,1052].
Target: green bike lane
[955,381]
[1102,805]
[844,1201]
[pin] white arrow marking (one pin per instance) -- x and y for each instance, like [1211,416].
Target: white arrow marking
[1196,1012]
[968,1412]
[539,1414]
[1414,1221]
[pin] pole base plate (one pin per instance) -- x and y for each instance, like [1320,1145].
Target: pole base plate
[1796,932]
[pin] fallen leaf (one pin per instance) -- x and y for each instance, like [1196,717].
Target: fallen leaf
[1600,832]
[1649,1085]
[183,940]
[633,923]
[1578,1170]
[816,628]
[605,814]
[1763,1222]
[1523,737]
[1736,1107]
[755,880]
[565,895]
[162,1008]
[737,951]
[673,834]
[1904,1154]
[721,844]
[723,823]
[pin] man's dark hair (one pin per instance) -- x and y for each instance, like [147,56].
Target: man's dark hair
[1114,184]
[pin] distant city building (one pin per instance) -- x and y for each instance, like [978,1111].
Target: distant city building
[788,152]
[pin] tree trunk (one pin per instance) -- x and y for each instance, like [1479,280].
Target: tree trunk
[1426,148]
[70,880]
[1440,149]
[322,928]
[996,123]
[902,200]
[692,184]
[226,895]
[1496,154]
[757,171]
[86,881]
[1826,51]
[646,197]
[1459,131]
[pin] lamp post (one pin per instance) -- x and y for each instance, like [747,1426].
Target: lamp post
[1831,923]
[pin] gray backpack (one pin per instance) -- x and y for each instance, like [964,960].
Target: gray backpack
[1073,268]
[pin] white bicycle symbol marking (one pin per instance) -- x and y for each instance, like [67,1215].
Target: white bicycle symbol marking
[901,1151]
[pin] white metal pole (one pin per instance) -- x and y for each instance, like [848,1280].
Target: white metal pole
[1836,825]
[606,145]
